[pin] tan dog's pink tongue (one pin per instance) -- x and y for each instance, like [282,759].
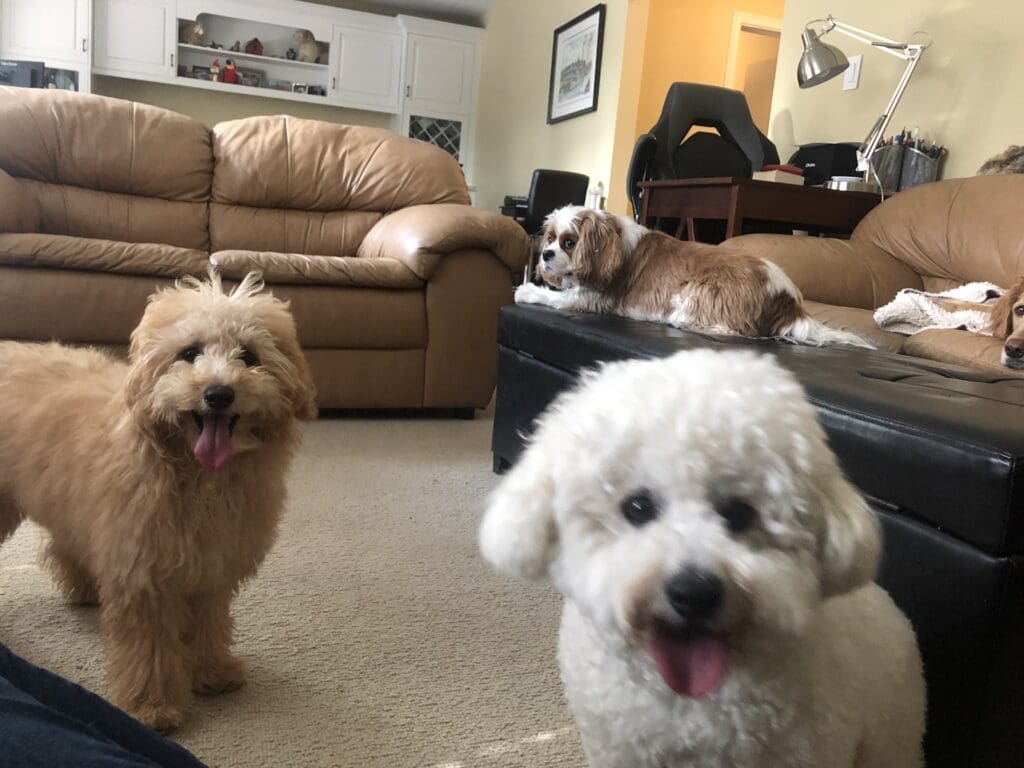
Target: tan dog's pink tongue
[213,449]
[691,665]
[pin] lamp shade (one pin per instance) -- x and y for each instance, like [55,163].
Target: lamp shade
[819,62]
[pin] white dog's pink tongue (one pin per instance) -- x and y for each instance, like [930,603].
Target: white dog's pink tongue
[691,665]
[213,449]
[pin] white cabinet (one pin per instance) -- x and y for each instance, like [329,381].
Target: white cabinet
[439,74]
[366,68]
[45,29]
[135,37]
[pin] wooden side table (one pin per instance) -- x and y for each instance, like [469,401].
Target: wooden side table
[739,200]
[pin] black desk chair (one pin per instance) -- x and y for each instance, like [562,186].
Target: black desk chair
[739,149]
[550,190]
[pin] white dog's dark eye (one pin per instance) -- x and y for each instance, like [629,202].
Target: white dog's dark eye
[189,354]
[1019,311]
[639,508]
[249,358]
[569,244]
[738,515]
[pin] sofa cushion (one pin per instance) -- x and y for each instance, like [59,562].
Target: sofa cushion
[327,233]
[858,321]
[957,231]
[300,269]
[109,145]
[960,347]
[79,212]
[78,253]
[309,165]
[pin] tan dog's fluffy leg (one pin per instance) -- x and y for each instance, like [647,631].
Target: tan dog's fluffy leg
[216,670]
[148,669]
[73,580]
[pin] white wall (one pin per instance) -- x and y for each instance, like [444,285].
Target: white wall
[513,137]
[965,93]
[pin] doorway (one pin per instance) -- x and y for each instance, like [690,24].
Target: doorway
[750,68]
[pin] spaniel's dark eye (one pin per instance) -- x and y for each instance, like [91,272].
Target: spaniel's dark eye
[639,508]
[189,354]
[249,358]
[569,244]
[738,515]
[1019,311]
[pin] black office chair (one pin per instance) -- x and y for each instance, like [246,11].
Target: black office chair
[550,190]
[739,149]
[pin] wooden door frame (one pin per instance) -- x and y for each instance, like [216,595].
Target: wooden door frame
[741,21]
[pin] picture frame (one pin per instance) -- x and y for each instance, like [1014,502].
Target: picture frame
[201,73]
[254,78]
[299,87]
[576,66]
[280,85]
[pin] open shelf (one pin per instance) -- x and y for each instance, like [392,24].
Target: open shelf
[224,53]
[246,90]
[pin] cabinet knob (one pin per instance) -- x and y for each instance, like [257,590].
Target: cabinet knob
[334,83]
[85,40]
[408,91]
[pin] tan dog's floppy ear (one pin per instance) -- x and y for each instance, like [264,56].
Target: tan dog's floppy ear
[598,256]
[1001,324]
[851,541]
[518,535]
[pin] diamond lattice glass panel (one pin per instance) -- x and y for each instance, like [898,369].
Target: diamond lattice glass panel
[446,134]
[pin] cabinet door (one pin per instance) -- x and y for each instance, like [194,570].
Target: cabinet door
[439,74]
[367,68]
[45,29]
[134,37]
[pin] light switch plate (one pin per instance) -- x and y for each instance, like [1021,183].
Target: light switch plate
[851,77]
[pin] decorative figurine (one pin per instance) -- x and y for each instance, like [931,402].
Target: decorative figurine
[290,54]
[230,73]
[215,70]
[236,47]
[254,47]
[191,33]
[306,47]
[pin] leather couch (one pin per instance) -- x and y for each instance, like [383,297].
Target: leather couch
[937,449]
[931,237]
[394,279]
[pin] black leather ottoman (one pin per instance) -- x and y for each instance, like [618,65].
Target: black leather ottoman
[938,450]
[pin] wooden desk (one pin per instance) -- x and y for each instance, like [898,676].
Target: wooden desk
[737,201]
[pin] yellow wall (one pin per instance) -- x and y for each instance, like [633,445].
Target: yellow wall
[513,137]
[212,107]
[755,73]
[671,41]
[965,92]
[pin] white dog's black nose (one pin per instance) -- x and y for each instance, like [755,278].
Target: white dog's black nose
[547,254]
[218,397]
[695,594]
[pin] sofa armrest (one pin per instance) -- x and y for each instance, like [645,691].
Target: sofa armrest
[420,235]
[846,273]
[19,211]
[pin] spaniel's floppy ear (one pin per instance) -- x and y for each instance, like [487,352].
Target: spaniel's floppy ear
[518,535]
[598,256]
[1001,324]
[850,542]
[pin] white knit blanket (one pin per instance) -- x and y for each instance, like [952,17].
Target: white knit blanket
[913,311]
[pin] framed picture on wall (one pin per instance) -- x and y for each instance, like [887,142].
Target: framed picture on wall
[576,66]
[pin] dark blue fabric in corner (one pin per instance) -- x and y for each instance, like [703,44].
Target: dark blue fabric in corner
[49,722]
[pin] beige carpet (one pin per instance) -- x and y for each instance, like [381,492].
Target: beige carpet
[374,634]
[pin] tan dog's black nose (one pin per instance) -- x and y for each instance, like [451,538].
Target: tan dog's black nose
[1014,348]
[218,397]
[695,594]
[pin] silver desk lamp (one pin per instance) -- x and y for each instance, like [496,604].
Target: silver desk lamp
[821,61]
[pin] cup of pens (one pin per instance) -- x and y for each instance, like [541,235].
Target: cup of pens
[905,161]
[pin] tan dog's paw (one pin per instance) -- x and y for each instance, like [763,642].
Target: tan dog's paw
[160,717]
[223,676]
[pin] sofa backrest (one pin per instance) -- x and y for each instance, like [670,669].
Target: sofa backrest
[108,169]
[305,186]
[953,232]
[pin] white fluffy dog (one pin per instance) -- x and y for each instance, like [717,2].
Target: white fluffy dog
[717,571]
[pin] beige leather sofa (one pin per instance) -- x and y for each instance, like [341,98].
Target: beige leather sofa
[395,281]
[931,237]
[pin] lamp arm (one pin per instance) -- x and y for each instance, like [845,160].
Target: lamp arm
[886,45]
[874,137]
